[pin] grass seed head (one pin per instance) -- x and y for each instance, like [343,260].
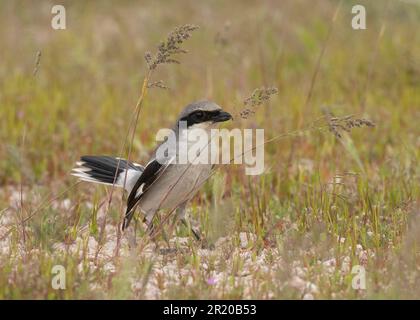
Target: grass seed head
[158,84]
[171,46]
[338,125]
[246,113]
[257,98]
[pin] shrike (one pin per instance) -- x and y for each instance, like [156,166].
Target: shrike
[164,183]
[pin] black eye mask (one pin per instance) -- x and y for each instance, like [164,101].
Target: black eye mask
[200,117]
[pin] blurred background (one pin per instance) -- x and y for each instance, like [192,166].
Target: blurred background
[81,98]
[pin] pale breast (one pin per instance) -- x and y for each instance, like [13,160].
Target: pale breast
[178,184]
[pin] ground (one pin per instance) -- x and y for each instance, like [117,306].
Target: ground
[330,217]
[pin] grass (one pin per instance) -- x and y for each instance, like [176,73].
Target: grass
[324,204]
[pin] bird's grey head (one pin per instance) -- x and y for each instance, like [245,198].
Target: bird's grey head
[204,113]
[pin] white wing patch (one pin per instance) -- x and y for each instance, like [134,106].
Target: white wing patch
[140,190]
[132,177]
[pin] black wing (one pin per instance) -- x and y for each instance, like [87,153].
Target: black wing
[151,172]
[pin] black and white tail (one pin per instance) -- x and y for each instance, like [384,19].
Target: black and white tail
[101,169]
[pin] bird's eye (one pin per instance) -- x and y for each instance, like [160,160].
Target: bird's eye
[199,115]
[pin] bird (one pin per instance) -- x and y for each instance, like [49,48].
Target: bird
[164,182]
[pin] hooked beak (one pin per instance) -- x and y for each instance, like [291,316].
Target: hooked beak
[222,116]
